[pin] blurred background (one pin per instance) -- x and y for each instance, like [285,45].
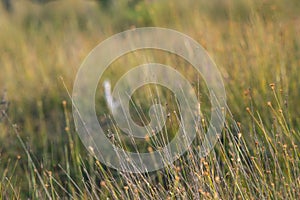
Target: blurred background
[43,43]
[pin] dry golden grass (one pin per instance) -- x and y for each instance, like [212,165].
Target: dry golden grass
[256,46]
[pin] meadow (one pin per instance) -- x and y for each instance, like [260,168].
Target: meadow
[256,46]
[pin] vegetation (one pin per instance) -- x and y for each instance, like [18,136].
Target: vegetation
[256,46]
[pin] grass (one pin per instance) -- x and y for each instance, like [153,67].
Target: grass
[255,46]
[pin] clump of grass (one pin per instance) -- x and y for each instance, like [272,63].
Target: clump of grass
[257,51]
[259,162]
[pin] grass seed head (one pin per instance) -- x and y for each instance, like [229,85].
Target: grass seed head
[272,85]
[269,103]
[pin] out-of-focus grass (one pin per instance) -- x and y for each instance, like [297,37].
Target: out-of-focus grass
[254,44]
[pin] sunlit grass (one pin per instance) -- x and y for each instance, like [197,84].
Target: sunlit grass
[256,47]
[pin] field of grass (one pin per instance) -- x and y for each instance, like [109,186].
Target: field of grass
[256,46]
